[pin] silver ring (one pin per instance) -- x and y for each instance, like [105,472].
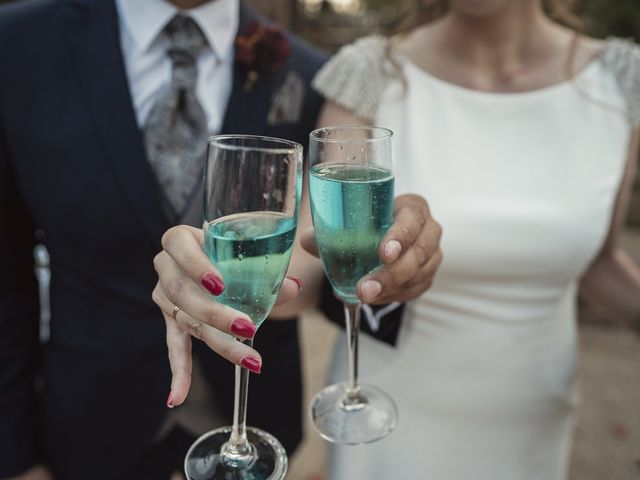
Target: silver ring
[176,309]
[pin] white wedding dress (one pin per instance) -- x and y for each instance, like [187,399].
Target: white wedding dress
[524,185]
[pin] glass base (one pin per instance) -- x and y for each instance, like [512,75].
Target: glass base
[353,420]
[267,460]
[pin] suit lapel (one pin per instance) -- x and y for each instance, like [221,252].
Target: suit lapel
[247,111]
[91,28]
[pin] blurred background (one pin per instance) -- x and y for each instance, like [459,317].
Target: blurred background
[608,431]
[332,23]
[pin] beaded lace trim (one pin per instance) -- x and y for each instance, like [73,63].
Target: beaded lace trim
[355,77]
[622,57]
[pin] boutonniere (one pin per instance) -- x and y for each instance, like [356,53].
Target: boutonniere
[259,49]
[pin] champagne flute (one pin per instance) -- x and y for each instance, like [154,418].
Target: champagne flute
[351,191]
[252,191]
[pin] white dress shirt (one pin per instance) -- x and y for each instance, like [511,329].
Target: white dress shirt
[148,66]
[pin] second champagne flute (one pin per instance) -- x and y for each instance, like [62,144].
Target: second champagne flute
[351,191]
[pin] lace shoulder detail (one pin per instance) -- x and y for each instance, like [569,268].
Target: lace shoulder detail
[356,76]
[622,57]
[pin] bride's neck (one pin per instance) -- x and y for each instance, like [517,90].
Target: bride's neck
[500,42]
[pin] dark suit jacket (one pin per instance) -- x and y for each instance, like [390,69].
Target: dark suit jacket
[72,164]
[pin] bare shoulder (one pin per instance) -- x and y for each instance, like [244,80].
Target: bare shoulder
[590,48]
[415,44]
[584,49]
[412,44]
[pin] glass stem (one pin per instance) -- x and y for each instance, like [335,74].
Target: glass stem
[352,320]
[238,445]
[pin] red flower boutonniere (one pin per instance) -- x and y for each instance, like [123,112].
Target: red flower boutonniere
[259,49]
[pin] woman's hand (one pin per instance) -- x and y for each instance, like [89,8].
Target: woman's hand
[35,473]
[183,292]
[410,253]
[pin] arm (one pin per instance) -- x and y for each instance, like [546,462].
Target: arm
[19,311]
[613,279]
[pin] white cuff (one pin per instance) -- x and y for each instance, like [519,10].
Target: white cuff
[373,319]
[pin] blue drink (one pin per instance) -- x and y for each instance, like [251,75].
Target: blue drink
[252,252]
[352,208]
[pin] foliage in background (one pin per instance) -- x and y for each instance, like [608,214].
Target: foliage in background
[603,18]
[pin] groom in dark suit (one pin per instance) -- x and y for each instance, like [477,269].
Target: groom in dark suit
[82,91]
[105,107]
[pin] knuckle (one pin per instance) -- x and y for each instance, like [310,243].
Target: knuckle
[421,253]
[438,230]
[405,232]
[419,207]
[155,295]
[194,327]
[384,276]
[175,289]
[156,261]
[212,318]
[169,237]
[226,350]
[435,262]
[393,283]
[424,206]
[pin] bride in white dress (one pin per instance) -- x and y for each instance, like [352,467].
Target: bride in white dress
[528,168]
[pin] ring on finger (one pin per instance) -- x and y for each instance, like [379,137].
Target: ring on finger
[174,314]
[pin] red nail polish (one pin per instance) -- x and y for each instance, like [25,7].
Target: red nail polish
[170,401]
[298,281]
[251,363]
[212,283]
[243,327]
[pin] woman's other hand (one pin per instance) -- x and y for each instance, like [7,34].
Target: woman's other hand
[410,254]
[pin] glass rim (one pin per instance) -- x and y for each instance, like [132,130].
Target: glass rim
[288,147]
[315,134]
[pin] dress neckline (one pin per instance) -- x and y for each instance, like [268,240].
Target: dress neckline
[525,94]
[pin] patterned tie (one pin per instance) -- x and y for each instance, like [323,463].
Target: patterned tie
[175,134]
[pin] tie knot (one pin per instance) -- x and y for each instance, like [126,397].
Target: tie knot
[185,42]
[185,34]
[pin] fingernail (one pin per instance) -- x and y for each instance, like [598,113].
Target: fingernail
[243,327]
[170,400]
[251,363]
[212,283]
[298,281]
[370,290]
[392,250]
